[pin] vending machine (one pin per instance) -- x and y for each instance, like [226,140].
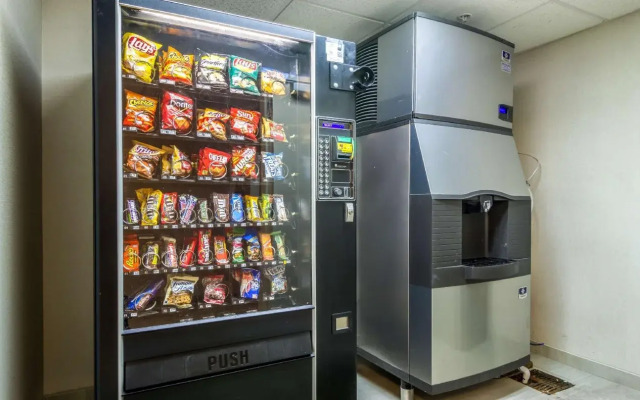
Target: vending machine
[205,203]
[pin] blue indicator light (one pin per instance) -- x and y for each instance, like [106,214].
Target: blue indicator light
[503,110]
[333,125]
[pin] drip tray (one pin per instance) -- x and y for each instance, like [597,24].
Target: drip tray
[543,382]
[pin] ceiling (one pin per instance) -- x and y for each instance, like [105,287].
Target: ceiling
[527,23]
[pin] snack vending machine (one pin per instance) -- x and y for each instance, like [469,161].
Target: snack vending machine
[204,205]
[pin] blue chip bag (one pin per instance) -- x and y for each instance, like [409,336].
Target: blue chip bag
[274,168]
[237,208]
[250,283]
[144,297]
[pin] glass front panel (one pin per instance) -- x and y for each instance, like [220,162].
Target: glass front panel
[216,125]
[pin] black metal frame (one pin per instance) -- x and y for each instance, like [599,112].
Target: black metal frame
[107,335]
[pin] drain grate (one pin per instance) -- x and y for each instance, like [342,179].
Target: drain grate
[543,382]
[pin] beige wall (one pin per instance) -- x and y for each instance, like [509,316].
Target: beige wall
[20,201]
[577,105]
[68,198]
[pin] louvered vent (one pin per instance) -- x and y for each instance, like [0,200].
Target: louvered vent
[367,100]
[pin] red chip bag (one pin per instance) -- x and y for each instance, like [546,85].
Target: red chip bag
[245,123]
[177,113]
[212,162]
[243,162]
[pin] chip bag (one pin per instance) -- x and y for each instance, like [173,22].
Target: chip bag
[280,208]
[281,250]
[140,112]
[267,247]
[150,205]
[243,162]
[250,283]
[266,207]
[272,131]
[175,67]
[212,162]
[234,237]
[177,113]
[139,56]
[278,279]
[212,123]
[177,163]
[215,290]
[179,291]
[143,159]
[273,166]
[244,74]
[273,81]
[253,245]
[245,123]
[211,70]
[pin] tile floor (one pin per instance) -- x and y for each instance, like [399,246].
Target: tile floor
[374,384]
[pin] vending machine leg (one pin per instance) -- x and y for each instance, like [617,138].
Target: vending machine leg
[406,391]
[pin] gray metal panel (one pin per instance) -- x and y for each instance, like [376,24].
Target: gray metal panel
[462,161]
[383,245]
[396,72]
[478,327]
[519,229]
[458,73]
[420,333]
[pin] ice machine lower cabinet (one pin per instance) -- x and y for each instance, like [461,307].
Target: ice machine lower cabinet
[443,255]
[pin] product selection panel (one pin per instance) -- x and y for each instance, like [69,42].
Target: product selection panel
[335,159]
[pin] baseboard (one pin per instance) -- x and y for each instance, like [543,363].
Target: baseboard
[594,368]
[77,394]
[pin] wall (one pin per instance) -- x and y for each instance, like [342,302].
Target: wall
[577,105]
[20,201]
[68,194]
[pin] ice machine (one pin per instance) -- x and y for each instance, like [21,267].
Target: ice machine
[443,233]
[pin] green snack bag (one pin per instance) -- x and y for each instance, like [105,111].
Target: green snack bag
[278,238]
[244,74]
[235,244]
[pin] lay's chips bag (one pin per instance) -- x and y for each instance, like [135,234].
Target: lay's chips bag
[139,56]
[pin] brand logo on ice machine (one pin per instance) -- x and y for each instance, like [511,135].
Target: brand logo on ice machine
[522,292]
[228,360]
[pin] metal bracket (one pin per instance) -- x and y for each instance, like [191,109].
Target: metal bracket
[349,77]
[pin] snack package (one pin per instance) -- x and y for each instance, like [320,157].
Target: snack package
[278,279]
[250,283]
[273,166]
[243,74]
[220,202]
[273,81]
[169,256]
[253,245]
[243,162]
[212,123]
[215,290]
[131,214]
[245,123]
[211,70]
[281,250]
[175,67]
[188,253]
[143,159]
[131,254]
[267,247]
[204,212]
[139,112]
[175,162]
[144,298]
[237,208]
[234,236]
[253,210]
[139,56]
[220,250]
[187,204]
[150,205]
[179,291]
[151,255]
[212,162]
[205,254]
[272,131]
[266,207]
[177,114]
[280,209]
[168,208]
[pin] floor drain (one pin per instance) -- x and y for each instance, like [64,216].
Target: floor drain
[543,382]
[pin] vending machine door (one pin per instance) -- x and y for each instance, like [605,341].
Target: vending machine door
[203,199]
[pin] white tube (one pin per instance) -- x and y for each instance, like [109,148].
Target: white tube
[526,374]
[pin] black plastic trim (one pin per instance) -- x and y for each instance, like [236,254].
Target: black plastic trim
[159,343]
[105,202]
[478,193]
[456,275]
[384,365]
[208,15]
[369,128]
[438,19]
[469,380]
[492,272]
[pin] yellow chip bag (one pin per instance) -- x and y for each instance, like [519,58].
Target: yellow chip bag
[176,67]
[139,56]
[150,205]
